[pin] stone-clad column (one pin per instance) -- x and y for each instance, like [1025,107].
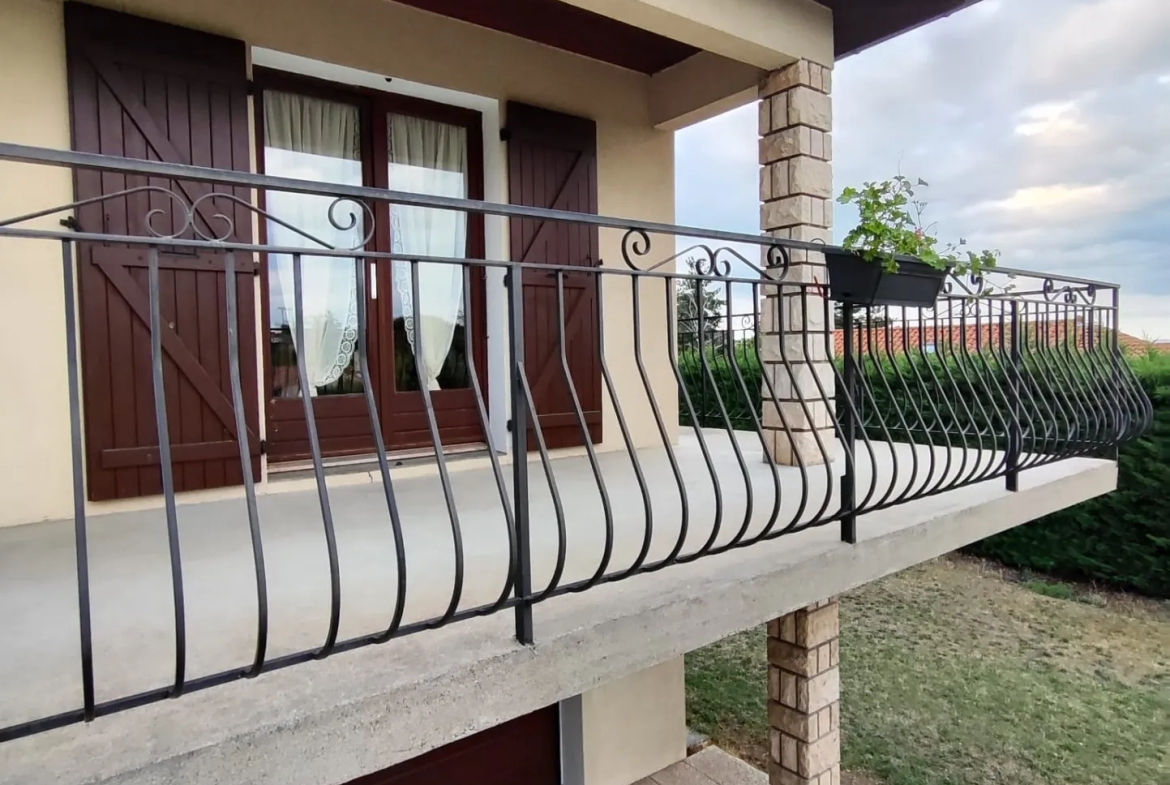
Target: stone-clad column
[804,707]
[796,191]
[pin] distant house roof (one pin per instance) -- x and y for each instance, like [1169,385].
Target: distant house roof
[985,335]
[1135,345]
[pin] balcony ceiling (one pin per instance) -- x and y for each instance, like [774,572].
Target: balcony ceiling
[858,24]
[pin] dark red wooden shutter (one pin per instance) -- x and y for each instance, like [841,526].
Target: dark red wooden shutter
[552,162]
[143,89]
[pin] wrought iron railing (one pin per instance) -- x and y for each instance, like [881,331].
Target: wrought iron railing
[1006,372]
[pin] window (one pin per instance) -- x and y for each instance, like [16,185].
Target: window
[310,138]
[428,157]
[312,132]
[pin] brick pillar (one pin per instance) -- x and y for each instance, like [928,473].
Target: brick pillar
[804,696]
[796,191]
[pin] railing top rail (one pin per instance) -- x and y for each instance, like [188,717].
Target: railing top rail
[350,253]
[107,163]
[116,164]
[73,159]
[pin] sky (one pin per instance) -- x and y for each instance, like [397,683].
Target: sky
[1042,126]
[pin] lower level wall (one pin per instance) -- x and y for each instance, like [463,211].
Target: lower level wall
[625,730]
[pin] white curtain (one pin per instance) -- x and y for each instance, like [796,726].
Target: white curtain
[314,139]
[431,158]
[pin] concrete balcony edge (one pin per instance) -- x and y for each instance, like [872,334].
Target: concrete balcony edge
[354,713]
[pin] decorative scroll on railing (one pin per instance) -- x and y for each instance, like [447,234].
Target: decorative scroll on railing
[698,380]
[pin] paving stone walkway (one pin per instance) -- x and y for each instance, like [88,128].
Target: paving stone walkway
[710,766]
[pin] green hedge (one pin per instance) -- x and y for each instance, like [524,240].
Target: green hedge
[1121,539]
[702,392]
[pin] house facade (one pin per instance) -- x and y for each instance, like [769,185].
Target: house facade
[331,270]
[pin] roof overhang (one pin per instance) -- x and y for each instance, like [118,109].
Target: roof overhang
[860,24]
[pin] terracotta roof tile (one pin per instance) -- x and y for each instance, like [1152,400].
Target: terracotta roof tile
[971,335]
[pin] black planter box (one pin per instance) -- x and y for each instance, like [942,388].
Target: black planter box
[857,281]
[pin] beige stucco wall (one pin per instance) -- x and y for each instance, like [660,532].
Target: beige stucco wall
[635,174]
[626,729]
[35,478]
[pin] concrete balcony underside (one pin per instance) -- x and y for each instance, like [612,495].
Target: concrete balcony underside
[414,693]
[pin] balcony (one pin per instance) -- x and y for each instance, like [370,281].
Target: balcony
[695,448]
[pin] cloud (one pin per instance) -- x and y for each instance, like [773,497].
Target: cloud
[1054,119]
[1043,127]
[1107,39]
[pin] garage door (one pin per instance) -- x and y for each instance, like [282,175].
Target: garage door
[524,751]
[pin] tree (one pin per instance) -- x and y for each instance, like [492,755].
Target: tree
[688,294]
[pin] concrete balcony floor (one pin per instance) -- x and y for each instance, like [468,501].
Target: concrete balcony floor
[133,615]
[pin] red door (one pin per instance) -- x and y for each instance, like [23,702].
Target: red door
[552,162]
[142,89]
[523,751]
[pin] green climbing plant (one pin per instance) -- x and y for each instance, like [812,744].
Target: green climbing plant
[891,224]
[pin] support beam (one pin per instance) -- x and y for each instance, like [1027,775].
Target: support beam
[796,190]
[700,87]
[765,33]
[804,696]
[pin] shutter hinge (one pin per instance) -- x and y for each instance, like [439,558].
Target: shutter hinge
[263,446]
[509,425]
[505,134]
[250,87]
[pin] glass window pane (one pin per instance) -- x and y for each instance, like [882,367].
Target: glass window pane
[428,157]
[313,139]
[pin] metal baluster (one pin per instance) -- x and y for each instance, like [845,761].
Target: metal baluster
[865,392]
[918,397]
[663,433]
[945,417]
[318,466]
[879,367]
[440,459]
[855,407]
[606,507]
[627,439]
[233,332]
[725,419]
[980,394]
[821,396]
[757,425]
[363,366]
[168,479]
[769,397]
[894,364]
[79,532]
[469,340]
[849,433]
[1015,435]
[520,498]
[672,356]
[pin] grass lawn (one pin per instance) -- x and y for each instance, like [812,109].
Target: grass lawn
[958,673]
